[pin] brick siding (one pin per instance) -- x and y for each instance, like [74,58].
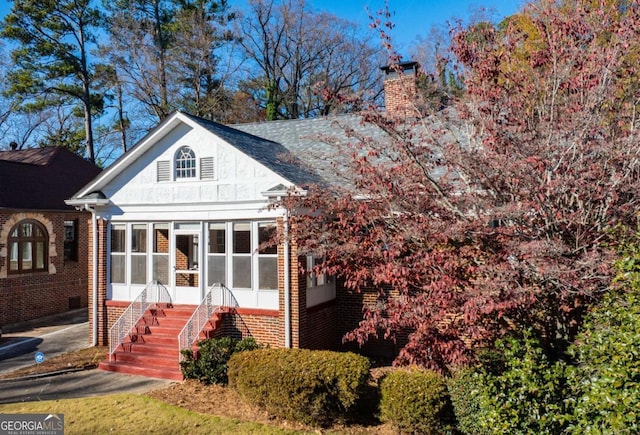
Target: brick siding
[62,287]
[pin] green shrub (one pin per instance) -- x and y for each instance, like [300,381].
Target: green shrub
[210,365]
[527,397]
[313,387]
[606,381]
[469,396]
[416,401]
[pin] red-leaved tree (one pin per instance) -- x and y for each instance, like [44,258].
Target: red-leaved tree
[497,213]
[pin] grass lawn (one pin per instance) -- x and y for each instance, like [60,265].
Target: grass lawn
[132,414]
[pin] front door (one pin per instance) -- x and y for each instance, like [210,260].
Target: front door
[187,266]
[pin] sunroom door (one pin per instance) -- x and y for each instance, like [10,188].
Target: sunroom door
[187,264]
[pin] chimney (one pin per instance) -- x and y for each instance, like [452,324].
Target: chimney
[13,145]
[401,88]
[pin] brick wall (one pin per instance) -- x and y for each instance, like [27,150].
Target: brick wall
[62,287]
[103,324]
[349,313]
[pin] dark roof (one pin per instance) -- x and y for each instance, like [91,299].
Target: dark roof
[271,154]
[42,178]
[318,142]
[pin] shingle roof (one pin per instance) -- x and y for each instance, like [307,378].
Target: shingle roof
[312,140]
[42,178]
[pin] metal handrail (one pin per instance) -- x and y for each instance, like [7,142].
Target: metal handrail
[217,297]
[154,293]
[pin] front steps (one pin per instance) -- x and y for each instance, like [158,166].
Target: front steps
[152,350]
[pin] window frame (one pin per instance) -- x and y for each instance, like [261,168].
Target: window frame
[21,241]
[185,164]
[71,245]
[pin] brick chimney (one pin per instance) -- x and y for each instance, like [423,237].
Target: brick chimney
[401,88]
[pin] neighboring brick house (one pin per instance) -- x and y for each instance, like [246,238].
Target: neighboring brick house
[43,241]
[188,207]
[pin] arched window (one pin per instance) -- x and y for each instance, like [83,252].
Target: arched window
[185,163]
[28,245]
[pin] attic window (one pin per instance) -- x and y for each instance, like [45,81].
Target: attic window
[185,163]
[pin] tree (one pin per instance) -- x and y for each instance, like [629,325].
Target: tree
[52,58]
[305,59]
[164,53]
[494,216]
[202,28]
[140,32]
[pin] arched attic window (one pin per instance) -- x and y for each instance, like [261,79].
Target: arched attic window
[185,163]
[28,244]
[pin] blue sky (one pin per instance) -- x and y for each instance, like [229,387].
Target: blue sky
[412,17]
[415,17]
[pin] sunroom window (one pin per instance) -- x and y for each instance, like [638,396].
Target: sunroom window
[267,257]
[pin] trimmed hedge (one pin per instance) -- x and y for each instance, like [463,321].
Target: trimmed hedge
[312,387]
[416,401]
[210,365]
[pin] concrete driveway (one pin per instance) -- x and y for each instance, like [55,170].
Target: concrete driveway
[53,336]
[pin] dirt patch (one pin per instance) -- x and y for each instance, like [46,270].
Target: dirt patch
[82,359]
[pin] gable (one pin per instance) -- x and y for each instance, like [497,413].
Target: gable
[158,171]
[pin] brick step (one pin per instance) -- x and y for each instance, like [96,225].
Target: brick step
[177,311]
[156,338]
[151,349]
[150,372]
[173,322]
[147,360]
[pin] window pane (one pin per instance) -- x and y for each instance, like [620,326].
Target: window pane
[27,230]
[118,269]
[187,252]
[242,238]
[138,269]
[161,238]
[266,233]
[242,272]
[27,255]
[118,238]
[139,238]
[13,262]
[39,255]
[70,240]
[268,276]
[217,269]
[217,238]
[161,269]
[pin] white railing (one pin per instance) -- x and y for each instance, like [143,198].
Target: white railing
[217,298]
[154,293]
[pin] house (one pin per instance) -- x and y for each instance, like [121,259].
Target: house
[180,224]
[43,241]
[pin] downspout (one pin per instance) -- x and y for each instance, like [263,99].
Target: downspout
[287,284]
[94,273]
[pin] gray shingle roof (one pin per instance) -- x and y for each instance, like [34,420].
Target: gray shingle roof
[314,141]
